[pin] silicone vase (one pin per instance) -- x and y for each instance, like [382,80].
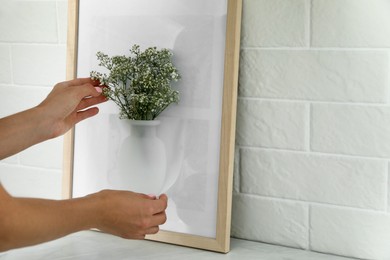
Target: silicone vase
[141,160]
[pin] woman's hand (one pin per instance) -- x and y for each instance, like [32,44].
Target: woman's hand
[67,104]
[70,102]
[129,215]
[25,221]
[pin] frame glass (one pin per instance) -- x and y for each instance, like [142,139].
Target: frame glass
[198,134]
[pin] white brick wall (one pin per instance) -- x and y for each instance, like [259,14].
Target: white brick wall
[38,64]
[351,129]
[350,23]
[318,75]
[358,233]
[271,220]
[314,178]
[275,23]
[32,60]
[271,124]
[28,21]
[313,126]
[5,65]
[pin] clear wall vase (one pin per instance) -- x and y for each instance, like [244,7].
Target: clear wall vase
[142,160]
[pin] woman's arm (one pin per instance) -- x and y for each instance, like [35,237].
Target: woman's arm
[25,222]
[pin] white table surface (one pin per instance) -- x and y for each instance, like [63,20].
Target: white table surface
[95,245]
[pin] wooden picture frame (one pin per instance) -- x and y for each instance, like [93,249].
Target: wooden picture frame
[221,241]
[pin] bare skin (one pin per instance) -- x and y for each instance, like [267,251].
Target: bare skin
[25,222]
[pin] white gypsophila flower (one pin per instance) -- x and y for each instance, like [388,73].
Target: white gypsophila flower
[140,84]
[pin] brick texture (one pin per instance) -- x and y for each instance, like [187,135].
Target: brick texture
[350,23]
[313,126]
[32,60]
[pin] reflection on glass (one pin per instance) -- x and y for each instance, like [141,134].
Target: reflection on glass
[189,132]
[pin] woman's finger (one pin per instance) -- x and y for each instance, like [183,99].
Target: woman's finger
[158,219]
[152,230]
[160,204]
[80,82]
[81,115]
[92,101]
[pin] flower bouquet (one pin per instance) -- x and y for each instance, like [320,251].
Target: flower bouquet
[139,84]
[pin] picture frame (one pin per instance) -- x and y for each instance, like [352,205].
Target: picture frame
[218,23]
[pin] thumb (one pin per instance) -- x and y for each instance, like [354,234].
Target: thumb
[163,197]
